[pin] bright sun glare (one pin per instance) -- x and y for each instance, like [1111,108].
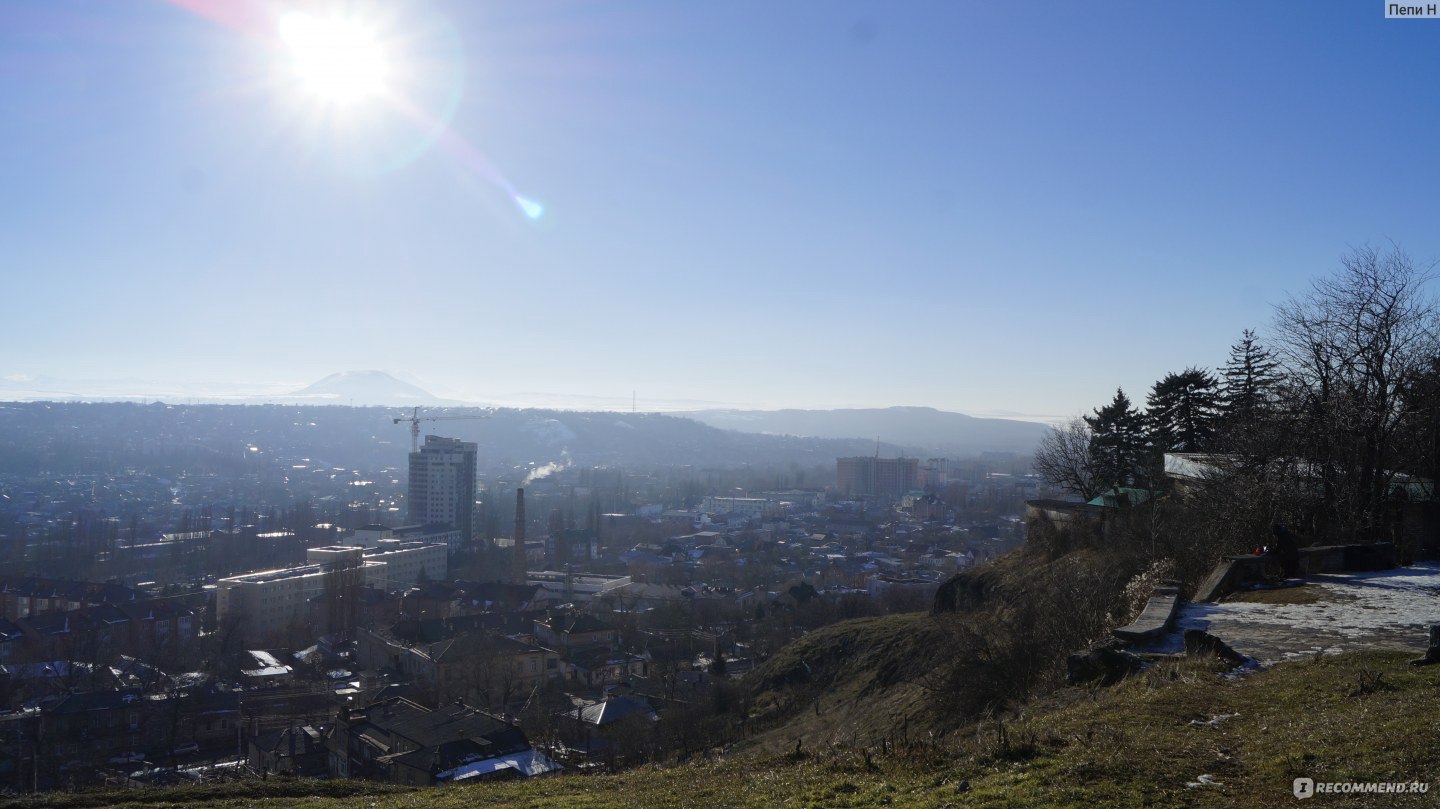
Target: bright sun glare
[339,61]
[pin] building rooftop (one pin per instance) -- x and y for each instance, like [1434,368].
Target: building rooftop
[280,574]
[398,547]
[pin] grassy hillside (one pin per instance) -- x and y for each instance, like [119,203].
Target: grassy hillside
[900,677]
[859,679]
[1356,717]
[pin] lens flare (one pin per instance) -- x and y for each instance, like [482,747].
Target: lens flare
[532,209]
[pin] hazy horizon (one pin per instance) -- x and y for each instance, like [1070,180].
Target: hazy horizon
[136,390]
[983,208]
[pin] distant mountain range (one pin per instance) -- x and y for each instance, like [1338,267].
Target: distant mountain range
[914,430]
[76,436]
[923,428]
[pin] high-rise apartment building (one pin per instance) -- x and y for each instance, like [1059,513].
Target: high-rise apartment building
[877,477]
[442,484]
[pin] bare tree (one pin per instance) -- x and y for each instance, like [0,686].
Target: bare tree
[1350,349]
[1063,459]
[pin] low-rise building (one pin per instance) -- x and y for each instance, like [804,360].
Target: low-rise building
[482,667]
[753,507]
[402,742]
[575,630]
[23,596]
[296,751]
[577,587]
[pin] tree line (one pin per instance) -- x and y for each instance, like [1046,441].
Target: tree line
[1328,421]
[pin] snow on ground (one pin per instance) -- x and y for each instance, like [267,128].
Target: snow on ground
[551,431]
[1389,609]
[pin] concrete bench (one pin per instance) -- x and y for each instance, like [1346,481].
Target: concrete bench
[1229,575]
[1154,620]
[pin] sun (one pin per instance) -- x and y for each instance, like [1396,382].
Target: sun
[336,60]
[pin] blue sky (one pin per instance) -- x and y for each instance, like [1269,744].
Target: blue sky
[983,207]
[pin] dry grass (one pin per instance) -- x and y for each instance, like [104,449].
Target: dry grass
[1358,717]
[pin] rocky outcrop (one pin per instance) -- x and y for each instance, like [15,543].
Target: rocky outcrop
[1105,663]
[1199,643]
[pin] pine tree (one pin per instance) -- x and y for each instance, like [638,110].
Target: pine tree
[1120,447]
[1250,380]
[1182,410]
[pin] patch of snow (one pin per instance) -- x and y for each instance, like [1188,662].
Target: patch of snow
[1384,609]
[550,431]
[528,762]
[1214,721]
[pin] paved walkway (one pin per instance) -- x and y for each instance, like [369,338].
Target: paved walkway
[1388,609]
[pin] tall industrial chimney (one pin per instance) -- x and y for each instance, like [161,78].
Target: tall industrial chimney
[517,559]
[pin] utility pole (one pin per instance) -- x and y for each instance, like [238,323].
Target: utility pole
[35,757]
[240,724]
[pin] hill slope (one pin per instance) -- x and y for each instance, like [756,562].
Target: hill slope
[1130,745]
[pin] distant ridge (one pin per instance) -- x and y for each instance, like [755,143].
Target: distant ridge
[368,437]
[922,428]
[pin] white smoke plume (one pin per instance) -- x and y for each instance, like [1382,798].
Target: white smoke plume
[548,469]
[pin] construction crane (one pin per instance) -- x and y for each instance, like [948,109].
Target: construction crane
[415,418]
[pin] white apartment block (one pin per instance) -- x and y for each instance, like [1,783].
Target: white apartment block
[406,563]
[270,601]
